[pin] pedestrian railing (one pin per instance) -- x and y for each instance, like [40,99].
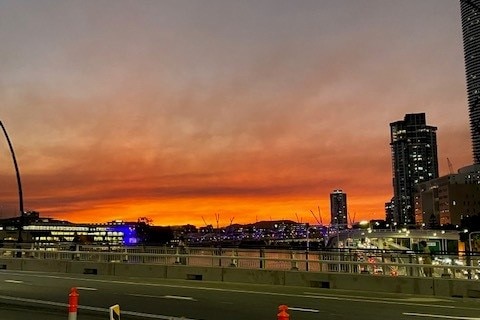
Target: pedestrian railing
[374,262]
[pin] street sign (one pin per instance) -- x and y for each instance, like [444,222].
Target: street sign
[115,312]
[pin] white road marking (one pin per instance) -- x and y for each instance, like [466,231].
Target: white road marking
[438,316]
[422,299]
[379,300]
[179,298]
[50,303]
[162,297]
[106,310]
[303,309]
[14,281]
[86,288]
[310,296]
[409,299]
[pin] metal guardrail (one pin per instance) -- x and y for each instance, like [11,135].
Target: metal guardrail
[376,262]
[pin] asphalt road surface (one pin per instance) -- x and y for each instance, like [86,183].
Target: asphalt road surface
[44,296]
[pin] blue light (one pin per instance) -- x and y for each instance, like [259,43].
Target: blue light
[129,234]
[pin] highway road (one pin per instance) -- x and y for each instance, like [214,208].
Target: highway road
[44,296]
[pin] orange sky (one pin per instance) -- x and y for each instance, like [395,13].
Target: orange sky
[178,110]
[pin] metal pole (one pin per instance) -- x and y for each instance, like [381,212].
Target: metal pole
[469,255]
[338,237]
[308,248]
[470,242]
[308,240]
[19,182]
[470,245]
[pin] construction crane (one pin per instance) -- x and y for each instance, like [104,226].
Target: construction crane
[319,219]
[206,225]
[298,220]
[450,167]
[217,217]
[352,221]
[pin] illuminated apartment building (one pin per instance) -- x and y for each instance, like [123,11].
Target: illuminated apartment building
[338,209]
[414,160]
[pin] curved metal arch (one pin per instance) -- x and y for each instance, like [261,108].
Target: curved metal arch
[19,182]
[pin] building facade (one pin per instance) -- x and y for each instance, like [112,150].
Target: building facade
[338,209]
[470,12]
[414,160]
[389,212]
[449,199]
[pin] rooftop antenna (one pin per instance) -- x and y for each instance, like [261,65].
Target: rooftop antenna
[231,220]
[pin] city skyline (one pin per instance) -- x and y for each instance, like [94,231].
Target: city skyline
[254,111]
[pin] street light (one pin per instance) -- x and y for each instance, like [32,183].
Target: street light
[19,183]
[469,256]
[470,239]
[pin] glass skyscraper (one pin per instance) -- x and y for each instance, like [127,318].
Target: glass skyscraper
[470,10]
[414,160]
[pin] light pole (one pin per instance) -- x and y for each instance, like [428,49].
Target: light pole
[308,248]
[469,255]
[308,237]
[19,183]
[470,240]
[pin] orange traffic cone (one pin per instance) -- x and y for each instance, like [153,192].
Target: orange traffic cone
[283,315]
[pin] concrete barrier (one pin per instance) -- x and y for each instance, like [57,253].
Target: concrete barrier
[44,265]
[361,282]
[307,279]
[10,264]
[194,273]
[140,270]
[447,287]
[85,267]
[276,277]
[456,288]
[380,283]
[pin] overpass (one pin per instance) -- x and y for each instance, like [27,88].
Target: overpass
[368,270]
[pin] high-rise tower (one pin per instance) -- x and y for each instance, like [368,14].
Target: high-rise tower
[338,209]
[414,160]
[470,10]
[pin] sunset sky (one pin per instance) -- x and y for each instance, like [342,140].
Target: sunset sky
[254,110]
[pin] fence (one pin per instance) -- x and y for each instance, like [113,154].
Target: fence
[407,264]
